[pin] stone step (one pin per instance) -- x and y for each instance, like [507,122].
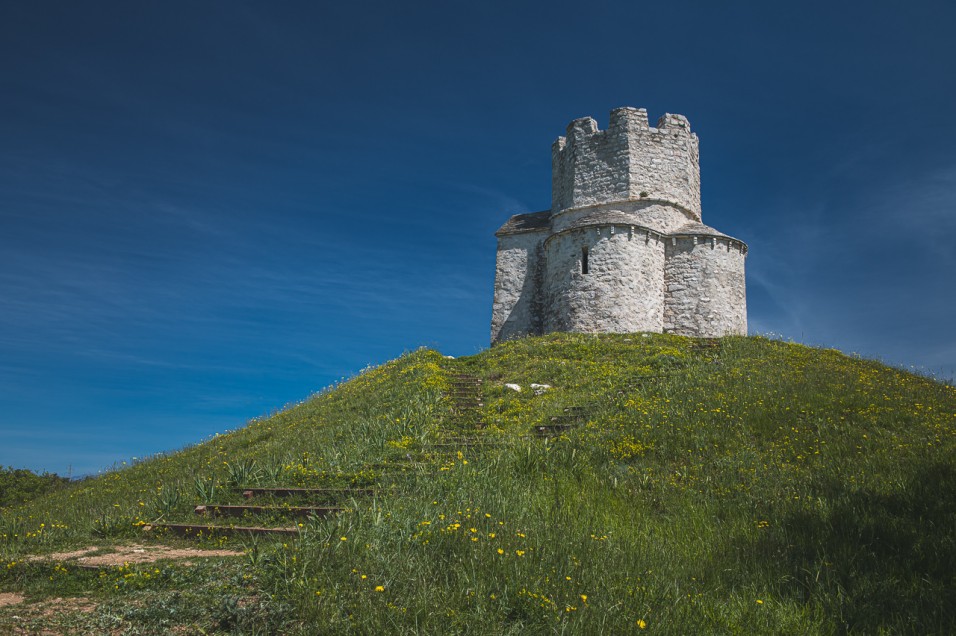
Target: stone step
[238,511]
[397,464]
[249,492]
[653,377]
[468,437]
[570,414]
[642,381]
[196,530]
[566,417]
[463,433]
[453,445]
[547,430]
[465,395]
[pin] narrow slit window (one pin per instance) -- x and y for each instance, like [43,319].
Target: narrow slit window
[584,260]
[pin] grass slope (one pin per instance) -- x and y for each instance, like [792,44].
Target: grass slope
[753,486]
[18,485]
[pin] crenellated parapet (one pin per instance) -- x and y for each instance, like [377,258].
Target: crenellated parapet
[630,161]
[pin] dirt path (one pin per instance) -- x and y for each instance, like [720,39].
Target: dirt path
[121,555]
[10,599]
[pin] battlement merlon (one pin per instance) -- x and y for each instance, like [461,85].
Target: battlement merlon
[629,161]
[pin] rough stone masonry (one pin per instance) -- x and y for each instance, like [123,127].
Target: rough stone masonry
[623,247]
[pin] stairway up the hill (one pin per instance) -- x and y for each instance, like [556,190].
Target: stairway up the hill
[466,401]
[271,518]
[284,509]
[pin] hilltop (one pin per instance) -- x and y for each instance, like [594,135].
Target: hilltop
[661,484]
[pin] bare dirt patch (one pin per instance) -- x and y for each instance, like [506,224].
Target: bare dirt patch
[10,599]
[63,556]
[122,555]
[57,606]
[49,617]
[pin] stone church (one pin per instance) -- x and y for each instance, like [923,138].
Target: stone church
[622,248]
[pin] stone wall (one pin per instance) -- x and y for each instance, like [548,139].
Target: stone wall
[657,216]
[589,167]
[705,287]
[628,161]
[622,290]
[516,310]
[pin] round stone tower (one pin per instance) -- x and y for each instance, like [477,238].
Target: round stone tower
[623,247]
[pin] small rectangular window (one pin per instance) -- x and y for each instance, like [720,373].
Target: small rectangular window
[584,260]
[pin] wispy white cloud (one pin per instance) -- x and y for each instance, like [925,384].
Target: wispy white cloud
[501,203]
[870,275]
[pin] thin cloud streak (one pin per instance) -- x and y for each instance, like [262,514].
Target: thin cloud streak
[819,298]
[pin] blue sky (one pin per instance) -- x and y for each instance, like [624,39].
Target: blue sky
[211,210]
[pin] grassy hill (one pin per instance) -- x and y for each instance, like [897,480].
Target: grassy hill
[735,486]
[19,485]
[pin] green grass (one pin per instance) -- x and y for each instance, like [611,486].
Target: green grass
[750,487]
[19,485]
